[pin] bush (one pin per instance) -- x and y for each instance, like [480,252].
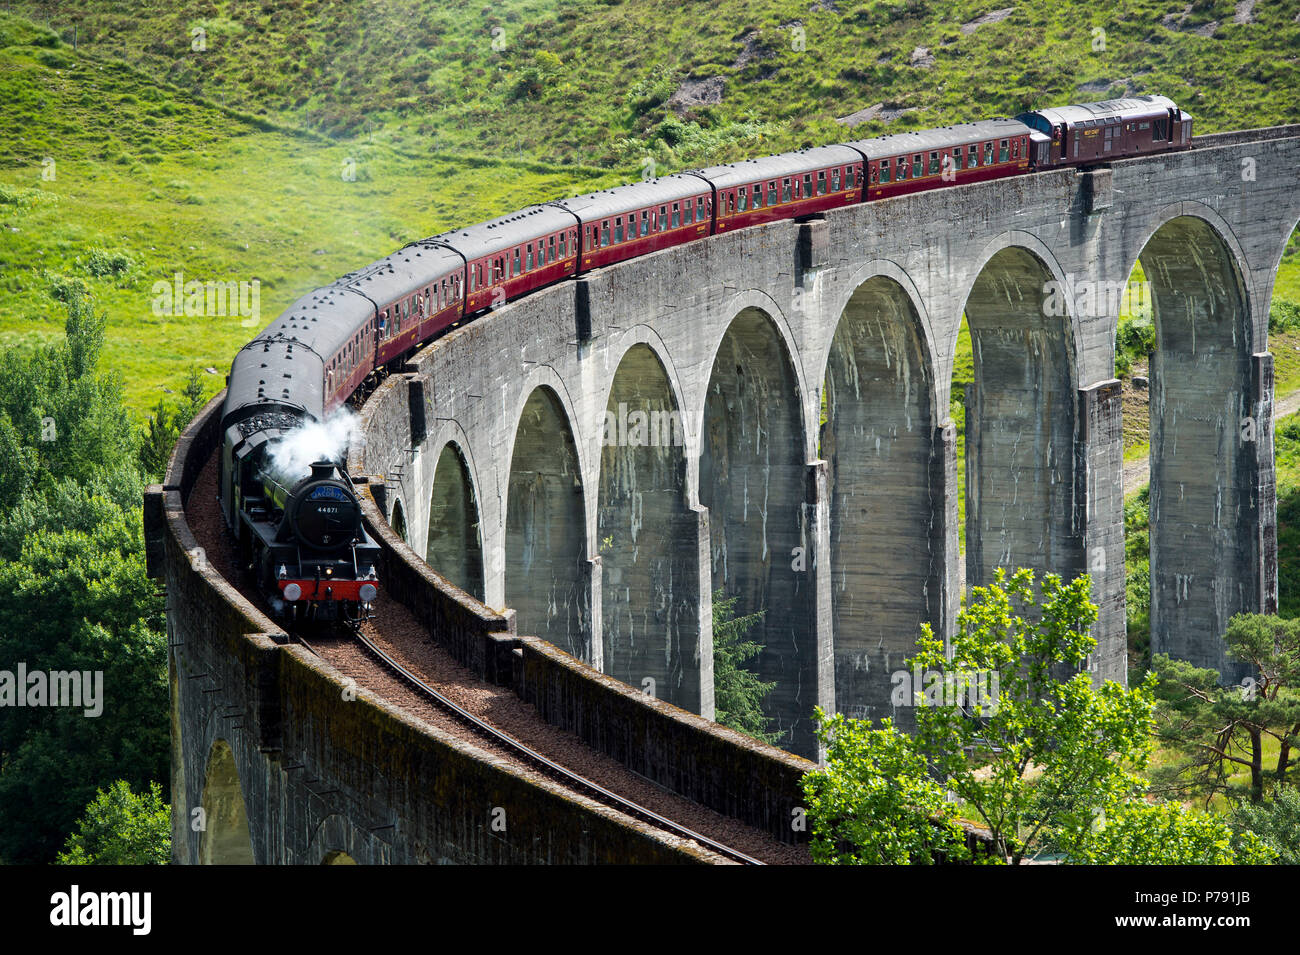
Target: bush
[1276,822]
[63,288]
[121,828]
[1283,316]
[104,263]
[1141,833]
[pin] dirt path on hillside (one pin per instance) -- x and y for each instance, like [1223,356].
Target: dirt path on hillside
[1136,473]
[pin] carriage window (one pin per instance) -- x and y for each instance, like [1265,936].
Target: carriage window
[1015,149]
[902,169]
[663,218]
[917,167]
[850,177]
[677,214]
[758,196]
[529,261]
[835,180]
[604,233]
[618,230]
[934,164]
[771,193]
[821,182]
[956,158]
[1002,151]
[973,156]
[807,185]
[645,223]
[786,195]
[563,254]
[884,170]
[744,199]
[514,265]
[988,154]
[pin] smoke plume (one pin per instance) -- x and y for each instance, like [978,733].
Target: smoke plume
[290,459]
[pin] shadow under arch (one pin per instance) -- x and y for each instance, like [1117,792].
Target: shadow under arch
[648,538]
[338,857]
[399,521]
[547,575]
[885,476]
[755,482]
[224,839]
[1204,497]
[1021,412]
[455,544]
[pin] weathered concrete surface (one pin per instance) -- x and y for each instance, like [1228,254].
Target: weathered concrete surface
[748,326]
[275,761]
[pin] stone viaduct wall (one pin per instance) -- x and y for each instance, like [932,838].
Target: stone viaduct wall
[603,455]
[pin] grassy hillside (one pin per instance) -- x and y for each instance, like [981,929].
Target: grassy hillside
[147,182]
[592,80]
[219,153]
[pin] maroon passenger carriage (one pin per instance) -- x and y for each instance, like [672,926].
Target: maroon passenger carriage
[784,187]
[512,255]
[643,217]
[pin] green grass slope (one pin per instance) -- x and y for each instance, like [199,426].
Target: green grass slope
[147,183]
[591,80]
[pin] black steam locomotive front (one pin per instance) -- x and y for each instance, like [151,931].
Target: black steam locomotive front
[314,557]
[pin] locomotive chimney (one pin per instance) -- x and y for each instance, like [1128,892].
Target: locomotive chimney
[322,470]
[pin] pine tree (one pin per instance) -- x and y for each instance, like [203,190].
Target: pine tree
[737,691]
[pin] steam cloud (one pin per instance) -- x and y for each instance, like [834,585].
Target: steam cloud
[290,459]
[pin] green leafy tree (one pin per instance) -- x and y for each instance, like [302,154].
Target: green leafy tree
[164,426]
[1052,747]
[74,595]
[1275,821]
[1219,731]
[738,692]
[1135,832]
[120,827]
[874,803]
[68,421]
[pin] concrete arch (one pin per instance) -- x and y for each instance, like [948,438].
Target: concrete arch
[224,839]
[929,339]
[1054,273]
[754,480]
[651,594]
[647,336]
[885,476]
[544,376]
[1205,443]
[547,574]
[455,542]
[754,300]
[1021,412]
[337,840]
[1294,218]
[1224,233]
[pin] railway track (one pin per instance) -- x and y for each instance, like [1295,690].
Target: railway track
[536,760]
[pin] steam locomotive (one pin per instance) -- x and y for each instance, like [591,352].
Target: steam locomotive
[295,520]
[302,531]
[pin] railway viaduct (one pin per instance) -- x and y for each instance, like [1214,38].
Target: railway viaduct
[765,414]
